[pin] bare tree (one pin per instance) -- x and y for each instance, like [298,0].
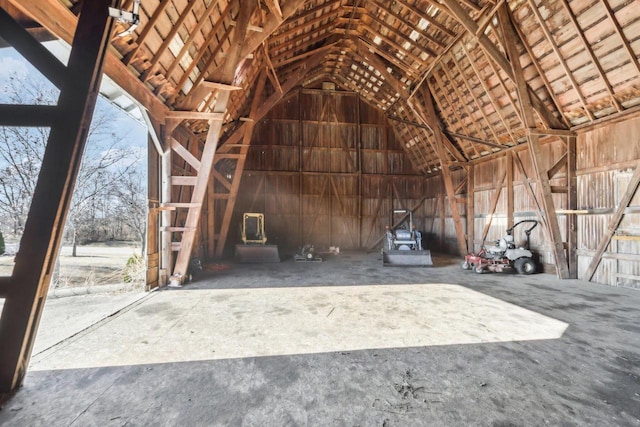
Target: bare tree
[132,208]
[105,174]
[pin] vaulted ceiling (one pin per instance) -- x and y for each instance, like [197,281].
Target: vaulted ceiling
[579,59]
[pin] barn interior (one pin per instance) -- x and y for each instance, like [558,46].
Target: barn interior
[326,116]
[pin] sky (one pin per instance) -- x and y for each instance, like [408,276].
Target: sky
[13,64]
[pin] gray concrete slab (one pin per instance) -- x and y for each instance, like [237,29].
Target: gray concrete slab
[588,374]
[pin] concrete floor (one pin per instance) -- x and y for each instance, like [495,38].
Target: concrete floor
[347,342]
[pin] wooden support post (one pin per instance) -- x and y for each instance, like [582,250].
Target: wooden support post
[43,230]
[471,220]
[613,224]
[166,182]
[535,150]
[509,177]
[572,204]
[153,203]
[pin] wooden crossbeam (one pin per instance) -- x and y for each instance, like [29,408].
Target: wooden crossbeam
[194,115]
[28,115]
[560,164]
[183,180]
[185,154]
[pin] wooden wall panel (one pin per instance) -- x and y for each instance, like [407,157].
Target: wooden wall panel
[607,156]
[340,188]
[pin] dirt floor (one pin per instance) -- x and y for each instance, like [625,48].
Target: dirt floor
[95,265]
[387,347]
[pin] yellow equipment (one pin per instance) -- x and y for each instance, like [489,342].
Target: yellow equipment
[254,248]
[253,228]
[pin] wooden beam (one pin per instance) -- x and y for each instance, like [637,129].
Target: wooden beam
[5,287]
[535,149]
[615,220]
[274,7]
[194,115]
[269,26]
[59,20]
[572,204]
[509,180]
[471,220]
[28,115]
[180,150]
[213,136]
[32,50]
[429,117]
[43,231]
[183,180]
[268,104]
[561,163]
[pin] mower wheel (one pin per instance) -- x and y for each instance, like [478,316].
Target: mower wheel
[466,266]
[479,269]
[525,266]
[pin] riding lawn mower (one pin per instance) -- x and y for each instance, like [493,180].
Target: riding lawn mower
[504,255]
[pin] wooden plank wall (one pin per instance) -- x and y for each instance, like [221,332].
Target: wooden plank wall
[607,156]
[326,169]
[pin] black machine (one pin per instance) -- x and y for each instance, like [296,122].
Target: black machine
[403,244]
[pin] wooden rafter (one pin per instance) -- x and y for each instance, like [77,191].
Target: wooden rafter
[594,59]
[194,32]
[495,54]
[492,99]
[153,63]
[568,72]
[150,24]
